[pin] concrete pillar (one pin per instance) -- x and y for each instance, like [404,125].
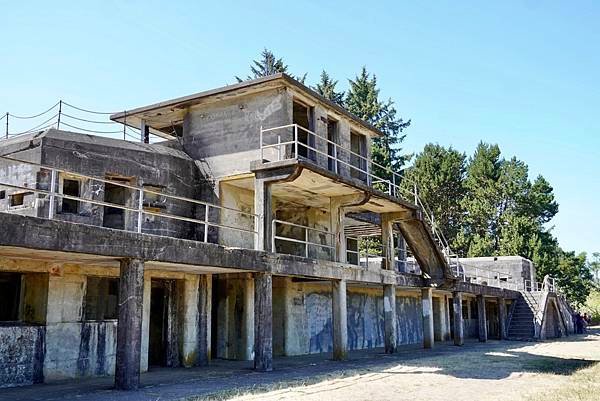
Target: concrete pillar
[389,316]
[481,318]
[439,318]
[459,331]
[447,334]
[146,322]
[387,240]
[204,319]
[502,318]
[339,320]
[248,319]
[428,334]
[264,214]
[337,228]
[263,322]
[129,329]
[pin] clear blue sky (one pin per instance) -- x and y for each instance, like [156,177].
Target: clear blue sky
[525,74]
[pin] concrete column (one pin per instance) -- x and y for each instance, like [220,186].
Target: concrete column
[428,334]
[389,316]
[129,329]
[146,321]
[320,141]
[264,214]
[263,322]
[204,319]
[189,312]
[337,228]
[459,331]
[339,320]
[387,240]
[481,318]
[439,318]
[248,319]
[502,318]
[447,334]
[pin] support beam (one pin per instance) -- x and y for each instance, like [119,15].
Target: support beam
[263,322]
[502,318]
[129,328]
[339,320]
[389,316]
[387,240]
[481,318]
[264,214]
[459,331]
[428,333]
[204,319]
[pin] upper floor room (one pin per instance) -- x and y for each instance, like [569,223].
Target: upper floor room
[269,119]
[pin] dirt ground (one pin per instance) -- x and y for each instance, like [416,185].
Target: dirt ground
[563,369]
[503,371]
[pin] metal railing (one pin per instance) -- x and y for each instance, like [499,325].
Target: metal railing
[139,209]
[285,143]
[303,244]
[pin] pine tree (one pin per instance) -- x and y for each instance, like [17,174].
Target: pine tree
[326,88]
[268,65]
[439,174]
[363,101]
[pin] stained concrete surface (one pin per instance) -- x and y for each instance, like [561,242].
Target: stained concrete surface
[176,384]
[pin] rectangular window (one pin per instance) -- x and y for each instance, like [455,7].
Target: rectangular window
[17,199]
[358,146]
[10,296]
[152,200]
[71,188]
[101,298]
[2,195]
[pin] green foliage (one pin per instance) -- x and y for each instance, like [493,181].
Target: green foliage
[574,276]
[363,101]
[268,65]
[439,173]
[592,306]
[327,88]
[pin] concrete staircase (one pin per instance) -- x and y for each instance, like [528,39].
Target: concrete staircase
[522,320]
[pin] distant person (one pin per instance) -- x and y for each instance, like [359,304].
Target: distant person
[578,323]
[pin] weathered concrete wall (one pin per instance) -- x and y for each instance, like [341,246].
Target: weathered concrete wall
[234,197]
[516,267]
[225,136]
[21,355]
[303,311]
[28,149]
[75,348]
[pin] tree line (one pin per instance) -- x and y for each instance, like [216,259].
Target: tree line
[485,204]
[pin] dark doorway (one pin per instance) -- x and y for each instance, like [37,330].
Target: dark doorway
[114,217]
[358,146]
[10,294]
[303,117]
[332,136]
[163,337]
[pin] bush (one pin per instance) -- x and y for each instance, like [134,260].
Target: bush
[592,306]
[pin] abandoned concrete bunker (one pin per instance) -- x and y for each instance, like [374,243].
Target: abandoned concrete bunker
[240,235]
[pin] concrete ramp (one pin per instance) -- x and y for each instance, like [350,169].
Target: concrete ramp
[425,248]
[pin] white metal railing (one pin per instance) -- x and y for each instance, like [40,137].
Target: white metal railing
[139,209]
[284,143]
[306,243]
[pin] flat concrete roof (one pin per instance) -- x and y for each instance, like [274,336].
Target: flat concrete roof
[179,103]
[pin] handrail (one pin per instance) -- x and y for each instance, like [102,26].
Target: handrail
[306,241]
[392,182]
[139,209]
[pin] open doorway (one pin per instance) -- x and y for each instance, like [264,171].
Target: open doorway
[163,346]
[332,137]
[303,116]
[358,146]
[114,217]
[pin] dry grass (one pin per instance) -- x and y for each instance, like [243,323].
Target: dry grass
[583,385]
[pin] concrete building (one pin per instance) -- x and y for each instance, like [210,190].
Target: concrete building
[237,237]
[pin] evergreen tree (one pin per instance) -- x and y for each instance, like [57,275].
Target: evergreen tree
[326,88]
[363,101]
[439,174]
[267,65]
